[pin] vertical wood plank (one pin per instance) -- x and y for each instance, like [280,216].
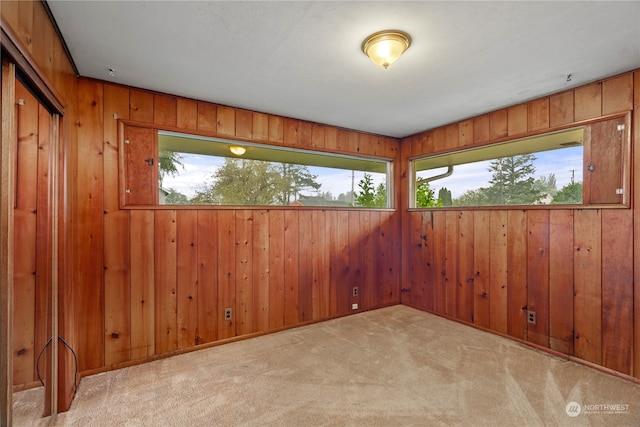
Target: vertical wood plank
[498,124]
[561,109]
[207,117]
[538,276]
[317,136]
[226,273]
[342,141]
[305,267]
[330,138]
[451,263]
[617,94]
[43,237]
[587,273]
[117,284]
[353,142]
[465,266]
[226,120]
[588,101]
[481,288]
[89,294]
[116,225]
[260,126]
[291,136]
[291,258]
[187,277]
[276,269]
[439,262]
[165,265]
[332,240]
[498,271]
[617,290]
[561,280]
[429,251]
[389,244]
[364,244]
[466,130]
[305,134]
[320,265]
[116,106]
[260,258]
[517,269]
[481,129]
[517,119]
[165,110]
[413,271]
[342,272]
[538,114]
[245,323]
[451,138]
[244,124]
[187,114]
[24,28]
[417,143]
[141,244]
[373,295]
[25,224]
[141,106]
[276,130]
[355,267]
[208,315]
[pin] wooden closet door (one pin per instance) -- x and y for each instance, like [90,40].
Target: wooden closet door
[32,276]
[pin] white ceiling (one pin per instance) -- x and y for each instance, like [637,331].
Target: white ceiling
[302,59]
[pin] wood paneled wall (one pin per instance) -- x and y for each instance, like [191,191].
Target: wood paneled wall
[40,46]
[151,282]
[138,284]
[573,267]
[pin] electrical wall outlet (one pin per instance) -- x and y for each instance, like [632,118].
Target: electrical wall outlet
[354,306]
[531,317]
[355,291]
[227,314]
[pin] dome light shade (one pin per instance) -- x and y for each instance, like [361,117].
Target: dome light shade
[385,47]
[237,150]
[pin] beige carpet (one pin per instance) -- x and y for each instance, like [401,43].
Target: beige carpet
[389,367]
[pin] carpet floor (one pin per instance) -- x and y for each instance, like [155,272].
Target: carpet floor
[389,367]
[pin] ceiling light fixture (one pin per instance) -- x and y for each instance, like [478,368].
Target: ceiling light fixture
[237,150]
[385,47]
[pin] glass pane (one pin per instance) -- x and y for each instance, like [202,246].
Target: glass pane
[205,172]
[521,176]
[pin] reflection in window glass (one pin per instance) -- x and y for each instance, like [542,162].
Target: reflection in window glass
[203,171]
[537,171]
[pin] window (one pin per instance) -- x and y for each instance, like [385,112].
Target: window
[586,165]
[184,169]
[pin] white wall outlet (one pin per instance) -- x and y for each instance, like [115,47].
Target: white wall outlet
[354,306]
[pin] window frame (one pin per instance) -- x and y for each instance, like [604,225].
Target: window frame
[625,171]
[125,168]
